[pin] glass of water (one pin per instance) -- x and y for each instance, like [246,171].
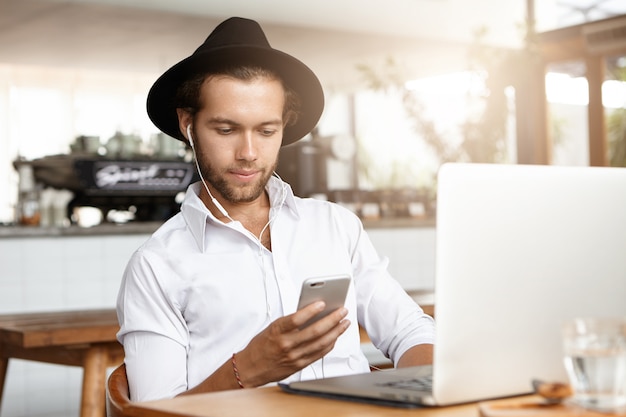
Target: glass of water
[595,360]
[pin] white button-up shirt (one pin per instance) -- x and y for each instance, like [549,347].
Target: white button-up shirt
[199,290]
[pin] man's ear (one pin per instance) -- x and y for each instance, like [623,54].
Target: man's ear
[184,119]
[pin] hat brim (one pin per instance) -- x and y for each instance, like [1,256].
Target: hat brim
[161,104]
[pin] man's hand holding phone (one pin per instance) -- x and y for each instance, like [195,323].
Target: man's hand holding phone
[293,342]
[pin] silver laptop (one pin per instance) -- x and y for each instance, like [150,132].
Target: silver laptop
[519,250]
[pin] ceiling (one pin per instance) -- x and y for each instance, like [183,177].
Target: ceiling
[332,36]
[151,35]
[447,19]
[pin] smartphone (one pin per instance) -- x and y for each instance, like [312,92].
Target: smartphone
[330,289]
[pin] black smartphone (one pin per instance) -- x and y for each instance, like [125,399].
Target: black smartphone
[330,289]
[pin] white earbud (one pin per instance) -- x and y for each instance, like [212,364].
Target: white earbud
[213,199]
[189,135]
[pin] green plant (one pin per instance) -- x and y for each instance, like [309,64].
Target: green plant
[483,135]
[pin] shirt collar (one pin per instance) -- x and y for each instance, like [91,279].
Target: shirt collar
[197,216]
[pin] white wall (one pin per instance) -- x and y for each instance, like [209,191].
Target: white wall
[411,253]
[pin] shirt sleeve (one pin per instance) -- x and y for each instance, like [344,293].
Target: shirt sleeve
[393,320]
[152,330]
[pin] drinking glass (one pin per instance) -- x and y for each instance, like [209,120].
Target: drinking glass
[595,360]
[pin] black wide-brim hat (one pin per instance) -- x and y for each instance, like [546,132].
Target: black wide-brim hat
[237,41]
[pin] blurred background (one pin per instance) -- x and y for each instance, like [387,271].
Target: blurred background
[85,177]
[409,84]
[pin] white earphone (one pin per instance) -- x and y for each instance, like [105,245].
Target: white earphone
[213,199]
[189,135]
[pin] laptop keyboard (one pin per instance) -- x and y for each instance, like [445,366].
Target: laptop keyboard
[424,383]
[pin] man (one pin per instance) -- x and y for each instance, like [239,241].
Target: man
[209,301]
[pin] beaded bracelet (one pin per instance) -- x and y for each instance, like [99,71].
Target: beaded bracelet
[236,372]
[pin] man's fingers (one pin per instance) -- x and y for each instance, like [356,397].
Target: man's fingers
[327,323]
[321,341]
[294,321]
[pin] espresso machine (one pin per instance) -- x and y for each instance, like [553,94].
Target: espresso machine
[319,165]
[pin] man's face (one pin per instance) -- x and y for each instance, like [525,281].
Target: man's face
[237,135]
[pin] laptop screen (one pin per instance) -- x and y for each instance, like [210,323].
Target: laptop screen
[519,250]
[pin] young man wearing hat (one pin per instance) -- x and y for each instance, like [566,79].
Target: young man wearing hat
[209,301]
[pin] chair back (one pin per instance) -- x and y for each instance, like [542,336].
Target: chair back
[117,393]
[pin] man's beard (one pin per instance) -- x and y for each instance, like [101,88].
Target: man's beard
[242,194]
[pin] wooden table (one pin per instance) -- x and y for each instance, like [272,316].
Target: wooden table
[272,402]
[77,338]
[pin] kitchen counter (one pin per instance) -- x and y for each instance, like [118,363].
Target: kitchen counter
[133,228]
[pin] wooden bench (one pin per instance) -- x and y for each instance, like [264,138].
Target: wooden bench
[84,338]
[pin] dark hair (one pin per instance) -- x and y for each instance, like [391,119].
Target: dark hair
[188,93]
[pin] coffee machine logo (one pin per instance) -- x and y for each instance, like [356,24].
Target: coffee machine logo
[135,175]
